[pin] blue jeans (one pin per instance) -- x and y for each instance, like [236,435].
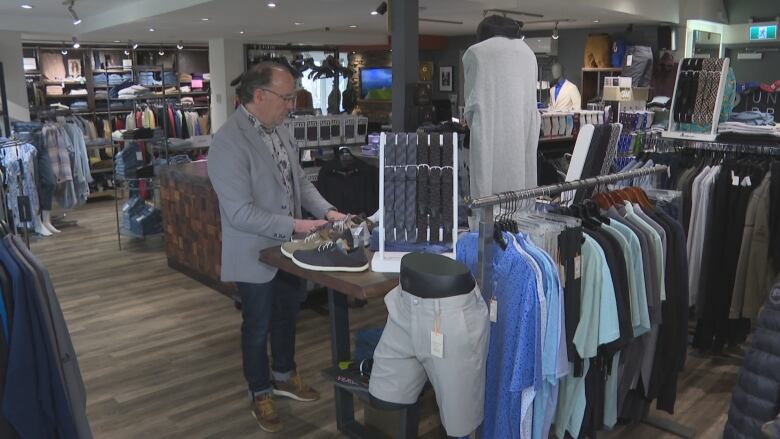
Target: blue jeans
[269,308]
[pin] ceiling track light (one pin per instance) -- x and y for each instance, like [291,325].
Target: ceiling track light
[380,10]
[69,5]
[161,52]
[75,42]
[555,35]
[180,45]
[132,44]
[63,51]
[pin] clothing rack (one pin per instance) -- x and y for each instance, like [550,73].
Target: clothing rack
[4,113]
[666,145]
[24,209]
[486,246]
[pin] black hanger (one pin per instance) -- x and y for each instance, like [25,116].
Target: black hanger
[498,228]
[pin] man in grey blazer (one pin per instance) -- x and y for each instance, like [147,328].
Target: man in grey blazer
[255,170]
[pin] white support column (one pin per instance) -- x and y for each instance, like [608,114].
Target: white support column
[11,57]
[226,62]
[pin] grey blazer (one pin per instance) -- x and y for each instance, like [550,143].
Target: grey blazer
[252,199]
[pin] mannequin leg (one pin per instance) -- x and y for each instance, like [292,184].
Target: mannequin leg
[40,228]
[46,214]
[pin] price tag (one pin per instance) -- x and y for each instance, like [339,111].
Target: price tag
[139,156]
[493,310]
[562,273]
[747,182]
[437,344]
[578,266]
[437,338]
[629,60]
[735,180]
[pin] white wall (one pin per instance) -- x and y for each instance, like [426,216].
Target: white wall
[11,57]
[226,62]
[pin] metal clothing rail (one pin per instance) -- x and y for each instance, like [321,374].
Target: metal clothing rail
[25,209]
[486,247]
[487,218]
[666,145]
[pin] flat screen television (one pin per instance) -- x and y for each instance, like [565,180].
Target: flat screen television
[376,83]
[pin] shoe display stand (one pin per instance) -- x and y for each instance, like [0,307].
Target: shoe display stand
[418,200]
[687,103]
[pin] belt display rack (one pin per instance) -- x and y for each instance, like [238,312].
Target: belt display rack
[418,199]
[696,98]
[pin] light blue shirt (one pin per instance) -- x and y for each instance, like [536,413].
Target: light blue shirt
[640,317]
[598,325]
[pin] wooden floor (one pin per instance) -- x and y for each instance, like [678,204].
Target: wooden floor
[160,353]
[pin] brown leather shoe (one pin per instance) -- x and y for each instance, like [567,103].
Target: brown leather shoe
[264,411]
[295,388]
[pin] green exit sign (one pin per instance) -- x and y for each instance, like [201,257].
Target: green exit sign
[761,33]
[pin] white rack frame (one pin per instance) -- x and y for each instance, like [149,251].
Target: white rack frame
[390,262]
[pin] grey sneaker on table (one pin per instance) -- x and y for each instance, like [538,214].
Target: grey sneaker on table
[338,255]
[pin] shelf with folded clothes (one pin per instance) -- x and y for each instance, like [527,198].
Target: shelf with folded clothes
[64,83]
[196,93]
[85,96]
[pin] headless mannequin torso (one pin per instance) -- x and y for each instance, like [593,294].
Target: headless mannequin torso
[430,276]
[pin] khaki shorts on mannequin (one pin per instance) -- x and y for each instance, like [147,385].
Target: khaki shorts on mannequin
[403,362]
[597,51]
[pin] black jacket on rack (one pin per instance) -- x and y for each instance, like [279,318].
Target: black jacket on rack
[349,184]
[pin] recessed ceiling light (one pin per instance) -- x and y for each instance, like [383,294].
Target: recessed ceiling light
[595,21]
[374,13]
[297,23]
[117,41]
[26,6]
[352,26]
[241,32]
[151,29]
[204,19]
[271,5]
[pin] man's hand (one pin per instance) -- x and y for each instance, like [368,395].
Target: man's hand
[307,226]
[334,215]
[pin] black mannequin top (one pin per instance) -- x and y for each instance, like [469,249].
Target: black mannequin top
[432,276]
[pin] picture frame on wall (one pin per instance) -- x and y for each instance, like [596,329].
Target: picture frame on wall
[445,78]
[425,72]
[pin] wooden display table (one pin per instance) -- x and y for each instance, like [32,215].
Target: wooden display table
[363,285]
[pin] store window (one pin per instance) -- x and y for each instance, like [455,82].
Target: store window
[321,88]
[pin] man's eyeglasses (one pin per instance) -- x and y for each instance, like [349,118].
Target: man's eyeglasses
[289,98]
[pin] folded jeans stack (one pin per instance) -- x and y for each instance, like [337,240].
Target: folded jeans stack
[756,118]
[79,105]
[128,161]
[140,218]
